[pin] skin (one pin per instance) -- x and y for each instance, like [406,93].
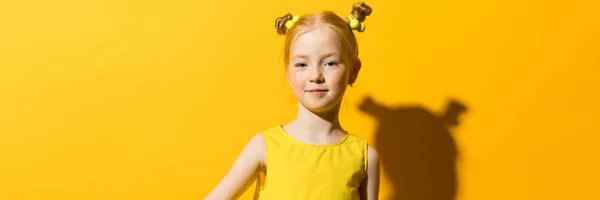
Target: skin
[317,63]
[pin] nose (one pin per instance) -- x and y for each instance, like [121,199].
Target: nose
[316,75]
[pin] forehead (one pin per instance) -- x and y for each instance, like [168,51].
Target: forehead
[316,42]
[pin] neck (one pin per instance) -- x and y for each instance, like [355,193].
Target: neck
[318,123]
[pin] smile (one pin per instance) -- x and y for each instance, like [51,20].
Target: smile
[317,91]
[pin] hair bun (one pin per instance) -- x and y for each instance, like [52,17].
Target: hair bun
[280,23]
[360,11]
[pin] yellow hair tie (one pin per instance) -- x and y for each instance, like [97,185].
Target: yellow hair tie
[291,23]
[362,27]
[355,24]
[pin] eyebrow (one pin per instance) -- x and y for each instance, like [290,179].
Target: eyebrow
[306,56]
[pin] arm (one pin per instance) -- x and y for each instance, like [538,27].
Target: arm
[369,188]
[246,167]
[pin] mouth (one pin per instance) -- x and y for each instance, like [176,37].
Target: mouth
[317,91]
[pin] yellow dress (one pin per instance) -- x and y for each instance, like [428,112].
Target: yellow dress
[296,170]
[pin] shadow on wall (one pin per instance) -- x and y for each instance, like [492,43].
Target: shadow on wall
[418,153]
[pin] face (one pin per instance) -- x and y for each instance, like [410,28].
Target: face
[318,71]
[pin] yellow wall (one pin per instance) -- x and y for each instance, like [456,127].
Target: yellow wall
[150,100]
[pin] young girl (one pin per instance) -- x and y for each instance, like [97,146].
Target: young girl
[312,157]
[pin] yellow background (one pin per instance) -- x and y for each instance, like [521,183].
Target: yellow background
[153,99]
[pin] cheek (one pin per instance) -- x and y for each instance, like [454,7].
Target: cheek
[338,77]
[296,79]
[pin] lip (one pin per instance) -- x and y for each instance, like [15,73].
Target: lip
[317,91]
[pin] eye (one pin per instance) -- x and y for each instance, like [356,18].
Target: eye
[300,64]
[332,63]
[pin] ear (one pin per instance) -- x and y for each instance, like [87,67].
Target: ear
[355,69]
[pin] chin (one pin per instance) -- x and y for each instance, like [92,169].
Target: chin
[319,106]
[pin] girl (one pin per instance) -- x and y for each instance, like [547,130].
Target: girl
[312,157]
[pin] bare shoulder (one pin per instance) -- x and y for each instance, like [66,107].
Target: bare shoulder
[257,146]
[242,172]
[258,140]
[369,188]
[372,155]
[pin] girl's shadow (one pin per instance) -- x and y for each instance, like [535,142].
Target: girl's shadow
[416,148]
